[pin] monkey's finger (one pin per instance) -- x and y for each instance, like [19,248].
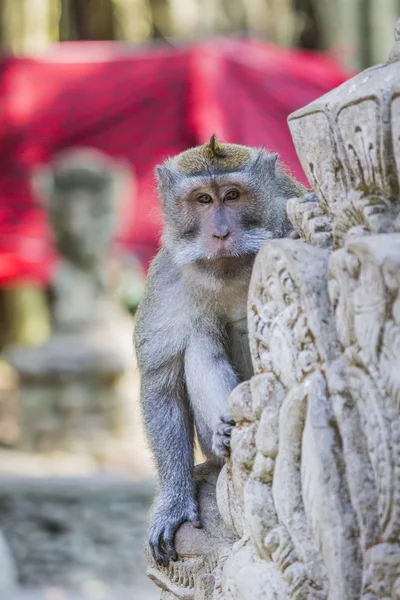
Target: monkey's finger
[169,537]
[227,442]
[159,555]
[321,224]
[196,523]
[223,429]
[310,197]
[311,210]
[227,419]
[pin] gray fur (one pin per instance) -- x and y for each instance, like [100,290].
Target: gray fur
[191,335]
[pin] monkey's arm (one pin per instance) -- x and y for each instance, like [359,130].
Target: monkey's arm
[169,426]
[160,337]
[210,379]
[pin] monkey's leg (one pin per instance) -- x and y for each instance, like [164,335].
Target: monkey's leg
[210,378]
[169,424]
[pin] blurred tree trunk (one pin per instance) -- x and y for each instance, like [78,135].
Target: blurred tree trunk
[65,24]
[383,15]
[2,8]
[309,30]
[87,20]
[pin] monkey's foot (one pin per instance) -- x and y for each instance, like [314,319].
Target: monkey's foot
[168,515]
[221,443]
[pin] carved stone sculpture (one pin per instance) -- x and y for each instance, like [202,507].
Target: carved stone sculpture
[311,491]
[74,390]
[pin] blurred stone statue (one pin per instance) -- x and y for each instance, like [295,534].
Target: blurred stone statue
[81,192]
[76,389]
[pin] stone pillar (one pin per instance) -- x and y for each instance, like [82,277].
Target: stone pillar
[311,492]
[76,389]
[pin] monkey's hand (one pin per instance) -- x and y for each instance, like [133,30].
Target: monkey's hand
[169,513]
[311,220]
[221,442]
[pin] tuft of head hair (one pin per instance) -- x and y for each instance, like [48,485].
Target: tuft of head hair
[214,156]
[214,149]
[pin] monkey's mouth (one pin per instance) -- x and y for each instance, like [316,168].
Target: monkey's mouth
[221,259]
[220,255]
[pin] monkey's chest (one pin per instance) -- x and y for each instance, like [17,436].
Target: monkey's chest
[238,348]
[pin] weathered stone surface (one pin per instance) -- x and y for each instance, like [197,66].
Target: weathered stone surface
[347,142]
[311,222]
[70,531]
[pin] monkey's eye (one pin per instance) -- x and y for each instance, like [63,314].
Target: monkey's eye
[232,195]
[204,199]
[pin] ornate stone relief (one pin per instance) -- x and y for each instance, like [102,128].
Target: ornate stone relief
[348,144]
[311,492]
[365,389]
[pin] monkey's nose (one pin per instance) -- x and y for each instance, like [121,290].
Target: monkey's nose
[222,234]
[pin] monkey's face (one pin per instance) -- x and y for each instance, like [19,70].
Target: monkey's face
[216,221]
[221,203]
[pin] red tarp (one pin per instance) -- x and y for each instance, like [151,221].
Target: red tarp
[142,105]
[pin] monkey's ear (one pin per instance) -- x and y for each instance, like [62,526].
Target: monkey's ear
[166,178]
[165,175]
[265,164]
[273,158]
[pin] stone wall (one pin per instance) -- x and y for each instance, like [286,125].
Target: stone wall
[312,489]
